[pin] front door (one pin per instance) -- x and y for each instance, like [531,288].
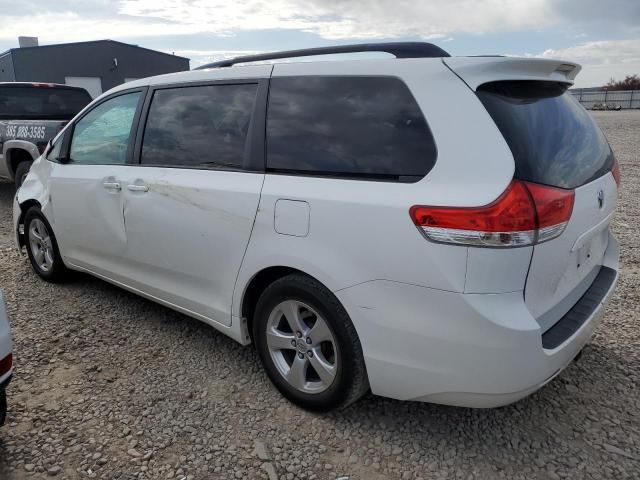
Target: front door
[190,210]
[87,190]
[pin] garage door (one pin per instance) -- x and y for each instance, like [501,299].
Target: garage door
[93,85]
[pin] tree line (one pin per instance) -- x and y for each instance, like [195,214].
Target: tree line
[630,82]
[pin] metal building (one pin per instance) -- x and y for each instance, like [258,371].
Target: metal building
[97,65]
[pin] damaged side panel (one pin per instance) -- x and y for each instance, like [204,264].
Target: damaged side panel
[33,192]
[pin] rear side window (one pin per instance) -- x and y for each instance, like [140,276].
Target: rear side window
[24,103]
[554,140]
[199,126]
[354,127]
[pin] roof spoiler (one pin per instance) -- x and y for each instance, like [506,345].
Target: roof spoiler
[475,71]
[398,49]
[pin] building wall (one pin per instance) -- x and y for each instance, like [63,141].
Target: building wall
[92,59]
[6,68]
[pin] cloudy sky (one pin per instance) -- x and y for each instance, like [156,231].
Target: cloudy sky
[602,35]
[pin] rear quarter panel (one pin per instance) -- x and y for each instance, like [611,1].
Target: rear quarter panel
[361,230]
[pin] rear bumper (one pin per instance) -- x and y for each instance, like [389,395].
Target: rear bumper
[472,350]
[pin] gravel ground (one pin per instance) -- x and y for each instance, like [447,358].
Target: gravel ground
[111,386]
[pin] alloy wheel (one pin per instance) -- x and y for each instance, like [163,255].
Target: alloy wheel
[302,346]
[41,245]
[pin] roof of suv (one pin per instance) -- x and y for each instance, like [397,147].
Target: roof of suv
[476,69]
[397,49]
[400,50]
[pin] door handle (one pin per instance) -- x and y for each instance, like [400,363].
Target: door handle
[138,188]
[112,185]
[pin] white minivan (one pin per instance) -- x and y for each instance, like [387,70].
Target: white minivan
[428,227]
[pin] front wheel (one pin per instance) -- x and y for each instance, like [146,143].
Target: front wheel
[42,247]
[308,345]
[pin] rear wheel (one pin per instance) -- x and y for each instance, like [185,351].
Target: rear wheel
[21,172]
[42,247]
[308,345]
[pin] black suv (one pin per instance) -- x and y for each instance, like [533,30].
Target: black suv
[31,114]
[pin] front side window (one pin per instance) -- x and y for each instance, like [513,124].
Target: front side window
[201,126]
[101,137]
[354,127]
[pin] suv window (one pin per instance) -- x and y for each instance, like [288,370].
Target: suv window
[101,137]
[356,127]
[24,103]
[554,140]
[199,126]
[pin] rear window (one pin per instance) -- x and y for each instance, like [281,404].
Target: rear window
[25,103]
[554,140]
[354,127]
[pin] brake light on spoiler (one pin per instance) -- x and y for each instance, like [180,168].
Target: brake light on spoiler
[525,214]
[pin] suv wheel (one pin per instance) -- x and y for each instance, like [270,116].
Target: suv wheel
[308,345]
[42,247]
[21,173]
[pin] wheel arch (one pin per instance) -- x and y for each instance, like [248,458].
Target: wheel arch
[24,207]
[16,151]
[257,284]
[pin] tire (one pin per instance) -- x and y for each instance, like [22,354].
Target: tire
[321,374]
[42,247]
[21,172]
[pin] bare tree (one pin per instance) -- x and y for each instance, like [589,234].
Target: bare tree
[630,82]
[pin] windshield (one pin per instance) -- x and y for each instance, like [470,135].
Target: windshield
[35,103]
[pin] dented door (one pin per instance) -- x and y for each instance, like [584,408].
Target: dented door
[187,232]
[86,190]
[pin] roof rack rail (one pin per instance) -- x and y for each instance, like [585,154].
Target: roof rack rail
[399,49]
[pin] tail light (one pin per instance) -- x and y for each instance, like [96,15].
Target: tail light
[615,171]
[525,214]
[5,364]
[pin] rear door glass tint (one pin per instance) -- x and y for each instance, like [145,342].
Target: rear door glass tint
[554,140]
[202,126]
[354,127]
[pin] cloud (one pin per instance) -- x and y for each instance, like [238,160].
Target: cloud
[330,19]
[190,26]
[616,14]
[71,27]
[341,19]
[68,20]
[601,59]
